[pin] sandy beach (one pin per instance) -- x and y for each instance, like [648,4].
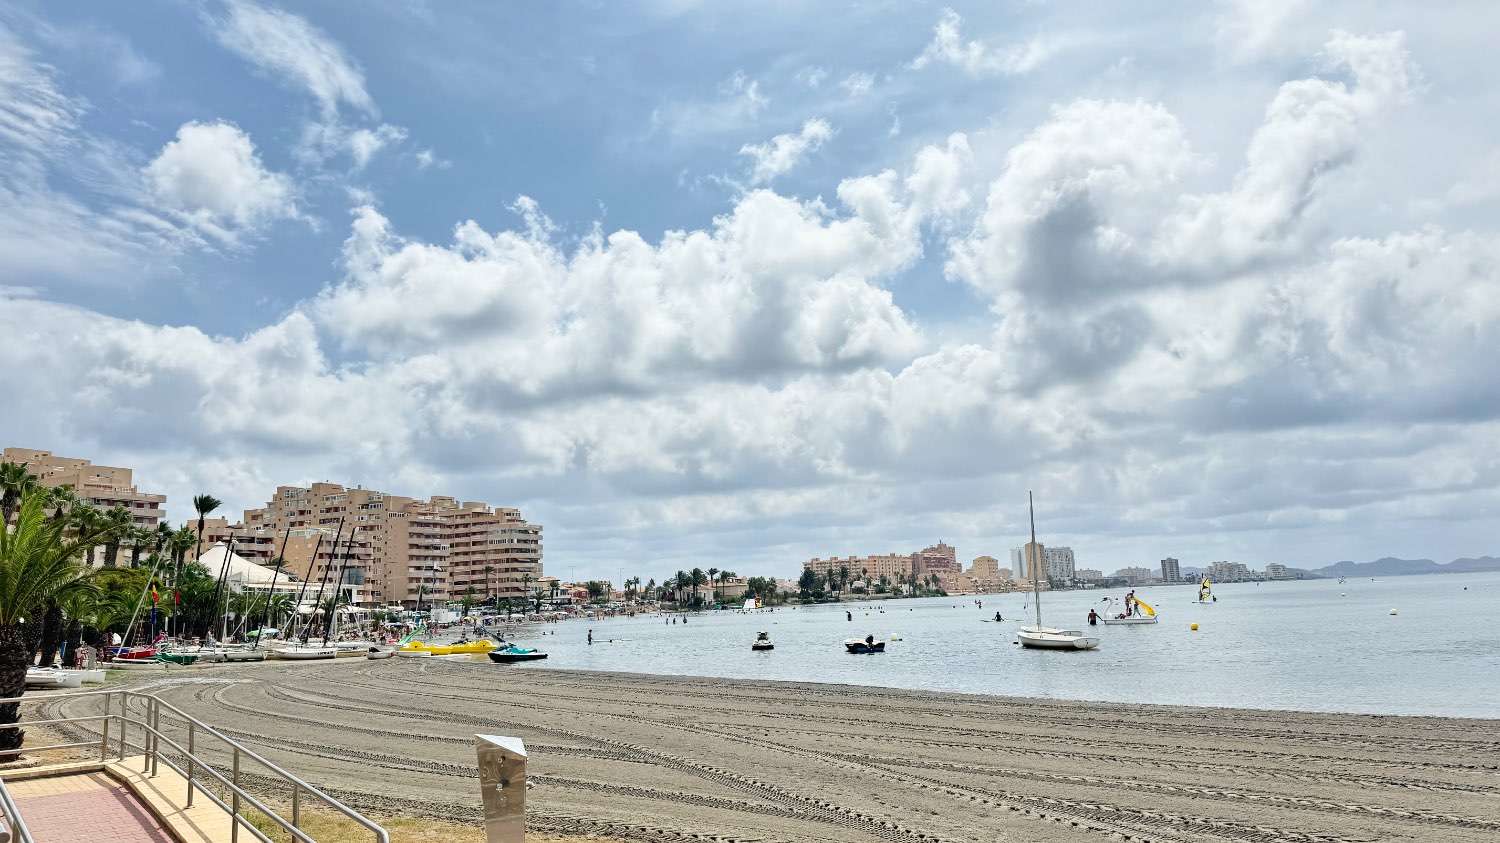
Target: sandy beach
[637,757]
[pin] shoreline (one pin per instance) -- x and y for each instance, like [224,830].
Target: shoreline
[630,756]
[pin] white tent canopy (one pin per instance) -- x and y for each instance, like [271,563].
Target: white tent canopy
[245,575]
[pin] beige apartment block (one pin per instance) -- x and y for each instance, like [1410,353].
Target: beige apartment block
[417,551]
[894,566]
[355,555]
[103,486]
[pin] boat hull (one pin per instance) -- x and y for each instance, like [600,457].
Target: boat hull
[1127,621]
[140,664]
[762,646]
[507,657]
[304,655]
[380,653]
[1055,639]
[862,648]
[245,656]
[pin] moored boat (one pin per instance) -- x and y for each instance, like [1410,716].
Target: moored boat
[864,646]
[1137,612]
[1040,637]
[379,652]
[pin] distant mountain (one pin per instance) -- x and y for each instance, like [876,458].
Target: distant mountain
[1393,567]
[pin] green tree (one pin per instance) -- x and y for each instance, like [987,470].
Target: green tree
[698,578]
[38,567]
[62,500]
[86,520]
[489,585]
[15,481]
[713,579]
[536,599]
[596,589]
[468,599]
[120,525]
[650,587]
[682,580]
[807,583]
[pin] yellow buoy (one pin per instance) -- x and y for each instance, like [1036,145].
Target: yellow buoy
[1193,627]
[1393,611]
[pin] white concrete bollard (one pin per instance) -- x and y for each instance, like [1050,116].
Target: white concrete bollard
[502,785]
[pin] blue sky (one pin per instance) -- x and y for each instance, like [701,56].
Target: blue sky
[743,283]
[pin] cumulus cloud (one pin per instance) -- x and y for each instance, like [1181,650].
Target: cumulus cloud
[858,84]
[212,175]
[365,143]
[783,152]
[977,58]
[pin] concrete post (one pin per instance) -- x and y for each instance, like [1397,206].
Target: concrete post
[502,785]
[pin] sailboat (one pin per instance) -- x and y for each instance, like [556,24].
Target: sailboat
[1205,593]
[1046,637]
[1144,614]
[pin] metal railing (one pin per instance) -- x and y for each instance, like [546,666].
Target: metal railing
[144,712]
[12,828]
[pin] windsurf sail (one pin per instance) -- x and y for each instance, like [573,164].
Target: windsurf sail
[1204,590]
[1141,604]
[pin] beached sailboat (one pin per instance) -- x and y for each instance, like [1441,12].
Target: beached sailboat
[1040,637]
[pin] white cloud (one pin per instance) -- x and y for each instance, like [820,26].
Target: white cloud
[289,47]
[1248,30]
[858,84]
[813,77]
[212,175]
[979,59]
[783,152]
[365,143]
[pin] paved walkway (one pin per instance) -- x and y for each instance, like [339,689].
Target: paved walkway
[91,807]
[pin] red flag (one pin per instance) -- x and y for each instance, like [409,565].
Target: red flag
[153,595]
[176,597]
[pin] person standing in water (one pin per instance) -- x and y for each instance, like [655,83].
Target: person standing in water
[1093,618]
[591,636]
[848,615]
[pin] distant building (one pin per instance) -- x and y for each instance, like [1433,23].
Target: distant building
[1088,575]
[895,567]
[1057,562]
[1136,576]
[1276,571]
[1170,570]
[1228,572]
[101,486]
[987,575]
[939,559]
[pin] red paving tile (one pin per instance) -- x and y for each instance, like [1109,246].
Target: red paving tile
[101,811]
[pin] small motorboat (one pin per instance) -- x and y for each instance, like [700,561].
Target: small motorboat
[378,652]
[515,654]
[864,646]
[762,642]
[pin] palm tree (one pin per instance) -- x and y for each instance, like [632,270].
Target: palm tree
[699,578]
[650,587]
[38,567]
[554,587]
[86,520]
[843,577]
[181,542]
[120,523]
[15,481]
[713,577]
[467,601]
[682,580]
[203,505]
[138,539]
[536,599]
[62,500]
[525,586]
[489,586]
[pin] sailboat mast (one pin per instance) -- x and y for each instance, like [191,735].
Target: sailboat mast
[1036,584]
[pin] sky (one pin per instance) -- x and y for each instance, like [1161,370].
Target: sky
[736,284]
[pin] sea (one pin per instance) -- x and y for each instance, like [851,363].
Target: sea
[1309,645]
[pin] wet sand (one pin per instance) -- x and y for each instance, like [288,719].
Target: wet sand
[637,757]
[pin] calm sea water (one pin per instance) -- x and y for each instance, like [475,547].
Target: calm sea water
[1313,646]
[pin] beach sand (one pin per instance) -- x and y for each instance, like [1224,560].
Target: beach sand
[636,757]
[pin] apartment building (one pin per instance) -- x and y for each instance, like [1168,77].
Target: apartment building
[1171,571]
[1136,575]
[1228,572]
[1057,562]
[102,486]
[894,566]
[418,551]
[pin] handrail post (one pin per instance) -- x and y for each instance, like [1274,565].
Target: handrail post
[192,761]
[155,738]
[124,720]
[234,819]
[296,806]
[104,740]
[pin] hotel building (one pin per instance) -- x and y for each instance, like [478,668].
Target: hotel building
[102,486]
[1170,570]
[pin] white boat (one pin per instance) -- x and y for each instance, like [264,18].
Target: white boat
[354,649]
[140,664]
[414,654]
[303,653]
[1040,637]
[50,677]
[378,652]
[244,655]
[91,675]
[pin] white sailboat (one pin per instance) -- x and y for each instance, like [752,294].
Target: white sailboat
[1045,637]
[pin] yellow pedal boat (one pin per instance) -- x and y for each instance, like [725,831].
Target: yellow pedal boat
[449,649]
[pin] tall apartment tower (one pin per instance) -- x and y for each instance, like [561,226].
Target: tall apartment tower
[1170,572]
